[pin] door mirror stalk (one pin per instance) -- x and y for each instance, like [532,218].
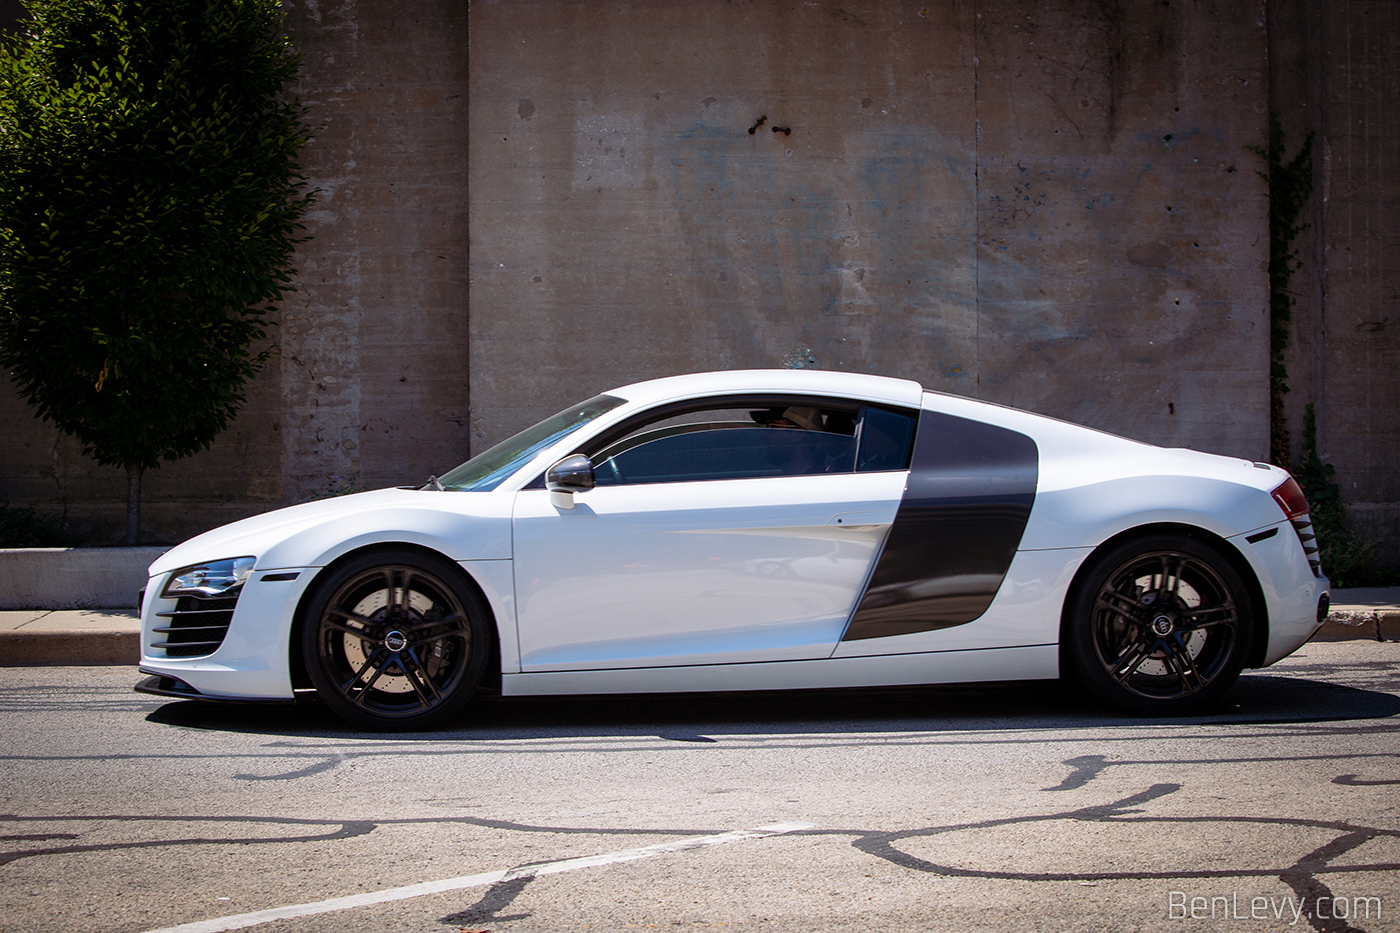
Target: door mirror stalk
[572,474]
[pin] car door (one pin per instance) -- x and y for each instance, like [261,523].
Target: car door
[720,535]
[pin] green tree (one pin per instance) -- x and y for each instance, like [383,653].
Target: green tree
[150,199]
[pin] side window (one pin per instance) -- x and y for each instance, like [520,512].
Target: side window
[732,443]
[886,440]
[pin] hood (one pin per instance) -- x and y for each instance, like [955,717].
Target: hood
[456,523]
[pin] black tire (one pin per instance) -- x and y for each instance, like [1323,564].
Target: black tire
[1159,626]
[396,640]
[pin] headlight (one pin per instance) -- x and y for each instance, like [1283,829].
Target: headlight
[210,579]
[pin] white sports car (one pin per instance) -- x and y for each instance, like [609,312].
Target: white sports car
[753,531]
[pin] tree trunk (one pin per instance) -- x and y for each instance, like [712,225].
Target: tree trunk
[133,504]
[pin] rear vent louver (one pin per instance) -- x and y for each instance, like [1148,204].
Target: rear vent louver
[197,626]
[1308,537]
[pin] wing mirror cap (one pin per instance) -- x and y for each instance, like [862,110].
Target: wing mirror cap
[572,474]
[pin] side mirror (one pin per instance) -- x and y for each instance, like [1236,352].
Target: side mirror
[572,474]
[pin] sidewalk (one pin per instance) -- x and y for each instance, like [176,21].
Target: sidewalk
[37,637]
[33,637]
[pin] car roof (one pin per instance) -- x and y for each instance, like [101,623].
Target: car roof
[796,381]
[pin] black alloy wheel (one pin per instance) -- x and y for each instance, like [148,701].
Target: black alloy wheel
[396,640]
[1160,626]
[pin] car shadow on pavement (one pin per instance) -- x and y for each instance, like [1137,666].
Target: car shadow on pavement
[687,717]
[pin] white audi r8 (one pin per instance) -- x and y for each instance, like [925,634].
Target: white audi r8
[753,531]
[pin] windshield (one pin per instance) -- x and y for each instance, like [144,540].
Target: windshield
[488,469]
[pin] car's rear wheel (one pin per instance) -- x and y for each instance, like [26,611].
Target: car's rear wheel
[396,639]
[1159,626]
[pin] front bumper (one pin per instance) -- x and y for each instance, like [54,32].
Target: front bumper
[251,662]
[165,686]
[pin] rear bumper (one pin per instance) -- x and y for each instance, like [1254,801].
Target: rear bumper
[1293,591]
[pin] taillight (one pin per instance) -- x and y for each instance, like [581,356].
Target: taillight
[1290,498]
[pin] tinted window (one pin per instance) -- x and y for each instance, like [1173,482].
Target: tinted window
[886,438]
[732,444]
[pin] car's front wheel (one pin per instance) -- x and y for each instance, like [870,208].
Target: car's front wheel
[395,639]
[1159,626]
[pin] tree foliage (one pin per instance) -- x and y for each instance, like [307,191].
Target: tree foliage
[150,199]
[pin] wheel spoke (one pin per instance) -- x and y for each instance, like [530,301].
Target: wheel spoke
[1170,583]
[455,617]
[417,672]
[390,591]
[1179,659]
[433,638]
[1140,652]
[386,574]
[405,591]
[378,672]
[337,627]
[426,633]
[348,687]
[1120,603]
[1208,616]
[410,674]
[353,617]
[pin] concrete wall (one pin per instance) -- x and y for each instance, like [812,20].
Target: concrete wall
[1334,74]
[1360,243]
[374,361]
[1039,203]
[1047,203]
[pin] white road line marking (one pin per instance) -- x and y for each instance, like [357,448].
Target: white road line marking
[239,921]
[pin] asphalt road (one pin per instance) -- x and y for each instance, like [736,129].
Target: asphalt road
[1015,807]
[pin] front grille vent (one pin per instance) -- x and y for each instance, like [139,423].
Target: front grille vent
[1308,538]
[197,626]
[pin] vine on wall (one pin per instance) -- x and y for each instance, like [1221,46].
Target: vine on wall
[1290,186]
[1346,557]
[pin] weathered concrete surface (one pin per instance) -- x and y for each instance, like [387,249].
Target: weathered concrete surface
[974,195]
[1360,238]
[1295,97]
[1333,74]
[1121,284]
[74,578]
[1036,203]
[374,361]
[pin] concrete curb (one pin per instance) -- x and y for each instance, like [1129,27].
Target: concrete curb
[69,649]
[1347,623]
[76,637]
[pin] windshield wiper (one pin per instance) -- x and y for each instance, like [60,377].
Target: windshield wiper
[434,485]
